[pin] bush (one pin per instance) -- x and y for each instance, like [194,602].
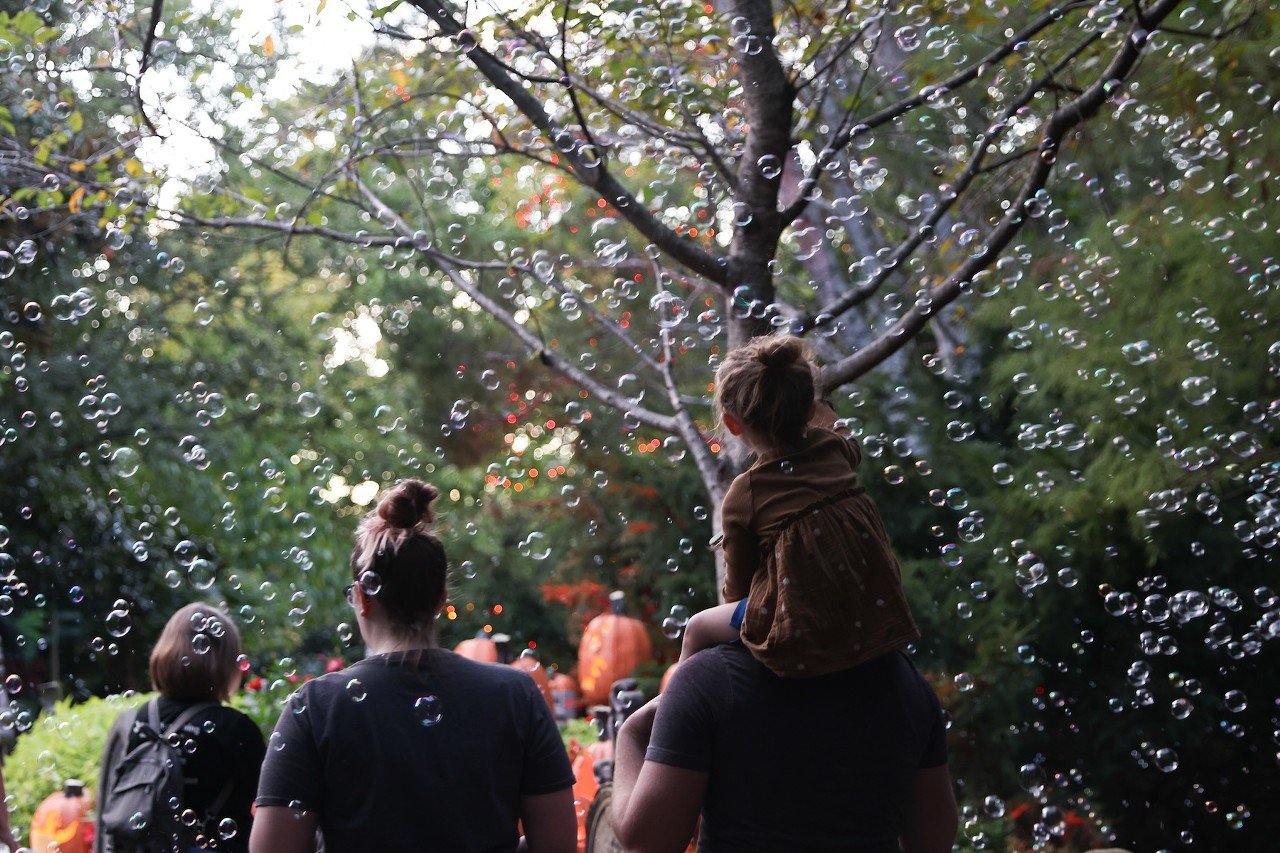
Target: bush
[65,744]
[583,731]
[263,702]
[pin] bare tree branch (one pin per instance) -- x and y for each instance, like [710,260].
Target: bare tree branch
[906,105]
[1065,119]
[593,175]
[928,228]
[767,97]
[157,9]
[549,357]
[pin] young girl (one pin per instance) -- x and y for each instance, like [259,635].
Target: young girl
[811,583]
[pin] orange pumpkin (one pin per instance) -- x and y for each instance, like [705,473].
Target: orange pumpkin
[666,676]
[61,823]
[479,648]
[583,760]
[612,646]
[531,665]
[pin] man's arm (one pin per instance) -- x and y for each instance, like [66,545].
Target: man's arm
[655,806]
[931,814]
[277,829]
[549,823]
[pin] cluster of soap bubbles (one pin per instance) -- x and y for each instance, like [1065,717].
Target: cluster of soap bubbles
[610,306]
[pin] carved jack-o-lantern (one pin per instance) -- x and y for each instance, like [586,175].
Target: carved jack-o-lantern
[612,646]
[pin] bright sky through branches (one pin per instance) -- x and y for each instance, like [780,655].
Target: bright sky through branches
[326,45]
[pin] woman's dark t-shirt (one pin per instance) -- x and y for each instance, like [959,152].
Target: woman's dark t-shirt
[800,764]
[402,757]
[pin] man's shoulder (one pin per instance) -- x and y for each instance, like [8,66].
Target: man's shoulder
[730,663]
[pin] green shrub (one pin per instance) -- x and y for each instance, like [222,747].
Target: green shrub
[65,744]
[264,704]
[648,676]
[583,731]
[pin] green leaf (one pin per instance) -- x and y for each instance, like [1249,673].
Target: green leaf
[75,121]
[390,7]
[27,22]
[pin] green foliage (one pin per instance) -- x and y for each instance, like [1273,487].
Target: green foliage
[64,744]
[582,731]
[255,387]
[264,704]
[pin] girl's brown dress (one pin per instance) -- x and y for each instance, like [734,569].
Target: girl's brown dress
[807,548]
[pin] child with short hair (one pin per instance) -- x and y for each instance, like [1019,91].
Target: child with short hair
[812,584]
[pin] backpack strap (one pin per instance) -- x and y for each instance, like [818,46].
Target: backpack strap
[182,719]
[153,716]
[215,808]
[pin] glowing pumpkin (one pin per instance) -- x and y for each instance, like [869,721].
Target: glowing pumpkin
[61,823]
[612,646]
[479,648]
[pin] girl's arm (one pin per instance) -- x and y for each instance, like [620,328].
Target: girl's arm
[740,543]
[283,830]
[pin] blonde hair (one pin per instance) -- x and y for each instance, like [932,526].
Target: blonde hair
[197,655]
[768,385]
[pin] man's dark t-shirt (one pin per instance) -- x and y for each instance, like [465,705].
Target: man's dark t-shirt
[800,764]
[402,757]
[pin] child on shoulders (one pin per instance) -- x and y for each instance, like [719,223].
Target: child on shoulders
[811,582]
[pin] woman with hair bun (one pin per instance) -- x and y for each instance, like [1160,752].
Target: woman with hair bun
[413,748]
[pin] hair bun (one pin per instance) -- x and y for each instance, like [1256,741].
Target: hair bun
[408,504]
[780,352]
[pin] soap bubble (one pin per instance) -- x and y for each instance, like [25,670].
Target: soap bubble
[428,710]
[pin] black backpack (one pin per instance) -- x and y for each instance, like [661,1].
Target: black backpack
[141,805]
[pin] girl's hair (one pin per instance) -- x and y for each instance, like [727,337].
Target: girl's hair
[768,385]
[197,656]
[398,562]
